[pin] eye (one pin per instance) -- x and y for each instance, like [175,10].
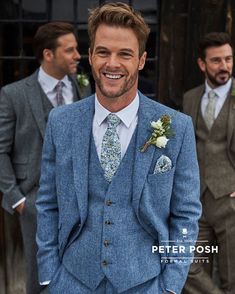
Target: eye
[229,59]
[69,50]
[216,60]
[125,54]
[102,53]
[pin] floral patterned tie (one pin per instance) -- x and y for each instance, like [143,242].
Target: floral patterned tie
[59,96]
[111,148]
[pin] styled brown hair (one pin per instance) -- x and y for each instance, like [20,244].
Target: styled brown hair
[120,15]
[213,39]
[47,36]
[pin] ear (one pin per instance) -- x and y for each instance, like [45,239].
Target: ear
[47,55]
[202,65]
[90,54]
[142,60]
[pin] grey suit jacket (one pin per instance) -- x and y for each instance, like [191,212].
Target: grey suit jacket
[191,106]
[22,127]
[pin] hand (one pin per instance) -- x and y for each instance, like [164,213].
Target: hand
[232,194]
[20,208]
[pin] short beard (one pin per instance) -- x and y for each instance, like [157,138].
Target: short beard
[110,94]
[214,81]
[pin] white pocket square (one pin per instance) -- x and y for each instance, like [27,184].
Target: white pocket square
[163,165]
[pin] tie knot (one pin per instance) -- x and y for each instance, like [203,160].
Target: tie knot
[113,120]
[59,86]
[211,95]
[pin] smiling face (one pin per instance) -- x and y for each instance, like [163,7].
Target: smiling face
[218,65]
[115,65]
[64,59]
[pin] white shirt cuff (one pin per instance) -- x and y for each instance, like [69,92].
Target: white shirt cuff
[18,202]
[170,291]
[44,283]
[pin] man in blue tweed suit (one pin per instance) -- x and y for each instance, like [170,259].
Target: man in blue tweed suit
[112,188]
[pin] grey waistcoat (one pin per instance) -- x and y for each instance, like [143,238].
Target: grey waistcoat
[215,166]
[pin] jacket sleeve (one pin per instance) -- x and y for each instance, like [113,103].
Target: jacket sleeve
[47,210]
[185,210]
[9,166]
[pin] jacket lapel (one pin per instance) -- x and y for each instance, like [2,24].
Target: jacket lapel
[82,132]
[33,94]
[143,160]
[196,101]
[76,90]
[231,116]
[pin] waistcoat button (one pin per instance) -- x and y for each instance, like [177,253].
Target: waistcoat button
[104,263]
[106,243]
[109,202]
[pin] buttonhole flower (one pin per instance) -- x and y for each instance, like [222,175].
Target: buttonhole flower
[83,80]
[162,131]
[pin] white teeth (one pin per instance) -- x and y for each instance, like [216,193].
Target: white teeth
[113,76]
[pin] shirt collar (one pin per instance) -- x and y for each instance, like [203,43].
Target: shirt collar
[48,81]
[127,114]
[220,91]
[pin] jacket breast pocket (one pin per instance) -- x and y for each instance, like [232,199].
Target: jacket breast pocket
[156,196]
[159,186]
[161,178]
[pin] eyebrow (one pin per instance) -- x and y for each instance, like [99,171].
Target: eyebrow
[122,49]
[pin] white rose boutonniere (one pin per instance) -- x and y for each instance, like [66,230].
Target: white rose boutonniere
[162,131]
[83,80]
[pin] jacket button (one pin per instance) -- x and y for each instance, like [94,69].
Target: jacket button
[107,222]
[104,263]
[109,202]
[106,243]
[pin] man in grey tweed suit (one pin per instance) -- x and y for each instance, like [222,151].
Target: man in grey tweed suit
[212,108]
[24,109]
[102,203]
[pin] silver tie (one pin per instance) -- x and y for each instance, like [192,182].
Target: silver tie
[209,115]
[111,148]
[59,96]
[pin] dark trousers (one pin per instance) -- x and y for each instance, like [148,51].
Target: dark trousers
[28,223]
[216,226]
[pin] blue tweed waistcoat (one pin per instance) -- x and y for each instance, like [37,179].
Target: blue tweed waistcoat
[112,238]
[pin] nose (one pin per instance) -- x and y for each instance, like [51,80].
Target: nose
[77,55]
[223,64]
[113,61]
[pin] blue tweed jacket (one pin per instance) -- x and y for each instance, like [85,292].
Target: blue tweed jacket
[166,204]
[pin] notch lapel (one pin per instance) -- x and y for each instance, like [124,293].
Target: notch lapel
[82,132]
[33,94]
[196,101]
[231,115]
[143,160]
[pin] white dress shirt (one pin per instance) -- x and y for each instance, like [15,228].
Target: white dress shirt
[125,130]
[221,95]
[48,84]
